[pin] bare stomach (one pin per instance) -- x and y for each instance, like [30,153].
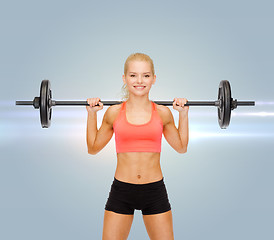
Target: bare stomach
[138,167]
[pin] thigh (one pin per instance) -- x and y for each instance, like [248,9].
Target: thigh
[159,226]
[116,226]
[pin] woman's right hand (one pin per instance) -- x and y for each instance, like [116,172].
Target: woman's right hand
[92,102]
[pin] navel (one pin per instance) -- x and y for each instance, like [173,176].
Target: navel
[138,176]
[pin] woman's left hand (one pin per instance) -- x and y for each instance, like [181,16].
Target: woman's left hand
[181,102]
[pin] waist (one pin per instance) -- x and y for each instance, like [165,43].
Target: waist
[138,159]
[141,185]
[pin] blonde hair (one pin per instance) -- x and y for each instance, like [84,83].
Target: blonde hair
[135,57]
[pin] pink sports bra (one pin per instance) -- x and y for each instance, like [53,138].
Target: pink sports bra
[138,138]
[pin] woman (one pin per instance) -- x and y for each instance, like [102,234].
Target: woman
[138,124]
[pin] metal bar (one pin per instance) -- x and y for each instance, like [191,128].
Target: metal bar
[109,103]
[24,103]
[245,103]
[81,103]
[166,103]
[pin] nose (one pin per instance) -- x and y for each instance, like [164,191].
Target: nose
[139,79]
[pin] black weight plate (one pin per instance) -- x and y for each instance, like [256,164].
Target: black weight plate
[224,111]
[45,108]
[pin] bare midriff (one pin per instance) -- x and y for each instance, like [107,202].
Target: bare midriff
[138,167]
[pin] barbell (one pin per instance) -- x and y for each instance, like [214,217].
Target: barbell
[225,103]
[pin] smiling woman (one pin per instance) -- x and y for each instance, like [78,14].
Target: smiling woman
[138,124]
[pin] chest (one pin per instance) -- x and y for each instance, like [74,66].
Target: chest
[138,118]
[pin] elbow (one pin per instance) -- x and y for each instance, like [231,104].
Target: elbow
[91,151]
[183,150]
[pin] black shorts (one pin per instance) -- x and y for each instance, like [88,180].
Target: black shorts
[151,198]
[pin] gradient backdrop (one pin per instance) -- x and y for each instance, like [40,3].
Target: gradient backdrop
[51,188]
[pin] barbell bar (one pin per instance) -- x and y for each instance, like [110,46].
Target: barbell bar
[225,103]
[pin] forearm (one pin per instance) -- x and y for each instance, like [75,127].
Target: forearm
[183,129]
[91,129]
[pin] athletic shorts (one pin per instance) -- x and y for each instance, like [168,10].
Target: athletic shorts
[151,198]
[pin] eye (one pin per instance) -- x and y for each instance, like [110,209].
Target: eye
[147,75]
[132,75]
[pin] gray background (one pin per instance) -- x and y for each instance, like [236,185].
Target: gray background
[222,188]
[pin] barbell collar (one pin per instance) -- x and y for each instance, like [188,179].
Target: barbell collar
[36,102]
[234,104]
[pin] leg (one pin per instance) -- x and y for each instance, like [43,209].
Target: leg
[159,226]
[116,226]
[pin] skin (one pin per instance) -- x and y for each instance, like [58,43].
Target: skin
[139,167]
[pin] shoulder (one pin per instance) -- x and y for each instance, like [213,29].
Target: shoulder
[165,113]
[112,112]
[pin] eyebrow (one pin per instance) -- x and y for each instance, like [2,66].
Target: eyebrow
[135,72]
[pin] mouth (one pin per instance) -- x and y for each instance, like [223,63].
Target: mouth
[139,87]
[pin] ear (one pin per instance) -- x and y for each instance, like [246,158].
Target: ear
[124,79]
[154,79]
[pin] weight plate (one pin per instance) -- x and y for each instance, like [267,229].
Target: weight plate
[224,110]
[45,108]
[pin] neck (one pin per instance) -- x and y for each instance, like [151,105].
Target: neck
[138,102]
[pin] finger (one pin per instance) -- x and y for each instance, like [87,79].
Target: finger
[176,102]
[97,100]
[89,102]
[180,102]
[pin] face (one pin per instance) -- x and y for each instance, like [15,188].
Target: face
[139,74]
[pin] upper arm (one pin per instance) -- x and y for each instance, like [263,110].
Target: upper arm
[104,134]
[170,131]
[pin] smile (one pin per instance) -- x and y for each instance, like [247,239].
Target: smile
[139,87]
